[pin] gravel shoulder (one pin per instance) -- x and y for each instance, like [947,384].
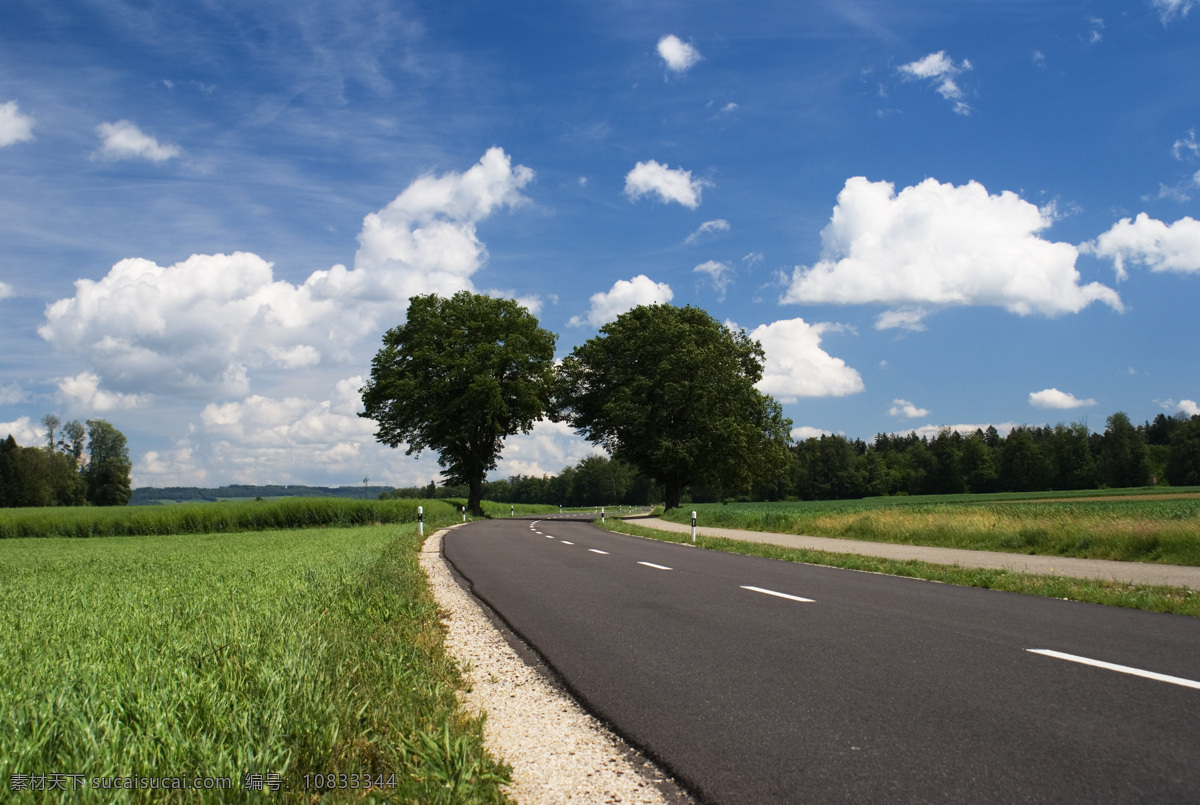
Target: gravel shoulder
[558,752]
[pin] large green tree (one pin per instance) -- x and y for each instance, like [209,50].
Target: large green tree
[108,467]
[670,390]
[457,377]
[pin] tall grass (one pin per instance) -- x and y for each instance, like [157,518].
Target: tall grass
[1121,528]
[285,653]
[228,517]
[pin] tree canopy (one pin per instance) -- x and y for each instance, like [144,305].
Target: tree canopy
[457,377]
[670,390]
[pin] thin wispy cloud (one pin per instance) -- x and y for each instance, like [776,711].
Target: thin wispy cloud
[708,228]
[720,276]
[1171,10]
[941,71]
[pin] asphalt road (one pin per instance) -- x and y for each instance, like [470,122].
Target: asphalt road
[855,688]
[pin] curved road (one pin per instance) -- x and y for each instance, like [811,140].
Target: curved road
[760,681]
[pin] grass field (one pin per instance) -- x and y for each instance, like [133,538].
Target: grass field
[1123,525]
[288,654]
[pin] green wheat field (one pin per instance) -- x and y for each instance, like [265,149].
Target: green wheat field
[301,664]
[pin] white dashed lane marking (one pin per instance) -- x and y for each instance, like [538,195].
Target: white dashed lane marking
[656,567]
[1124,669]
[593,550]
[778,594]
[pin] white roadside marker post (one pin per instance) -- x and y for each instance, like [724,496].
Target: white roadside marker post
[693,526]
[601,514]
[420,521]
[464,513]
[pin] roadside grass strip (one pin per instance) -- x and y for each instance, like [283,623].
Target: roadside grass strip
[1152,598]
[1122,669]
[293,656]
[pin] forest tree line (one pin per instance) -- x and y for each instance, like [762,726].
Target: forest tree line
[78,466]
[1027,459]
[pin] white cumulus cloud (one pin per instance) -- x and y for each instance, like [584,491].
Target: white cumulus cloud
[940,70]
[6,290]
[194,327]
[931,431]
[83,392]
[287,439]
[201,326]
[678,55]
[24,431]
[936,245]
[796,366]
[124,140]
[622,296]
[808,432]
[14,126]
[1189,407]
[668,184]
[1151,243]
[1053,398]
[545,450]
[905,408]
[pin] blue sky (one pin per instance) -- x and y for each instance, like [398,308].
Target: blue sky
[932,214]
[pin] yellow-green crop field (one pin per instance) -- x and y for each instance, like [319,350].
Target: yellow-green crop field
[1128,527]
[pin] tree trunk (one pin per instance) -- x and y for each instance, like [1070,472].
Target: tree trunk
[674,490]
[475,496]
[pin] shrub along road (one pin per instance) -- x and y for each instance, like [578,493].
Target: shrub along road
[759,681]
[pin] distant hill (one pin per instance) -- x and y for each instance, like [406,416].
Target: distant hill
[151,495]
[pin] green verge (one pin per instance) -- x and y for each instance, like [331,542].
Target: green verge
[1152,598]
[290,653]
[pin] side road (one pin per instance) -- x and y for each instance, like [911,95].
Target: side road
[1132,572]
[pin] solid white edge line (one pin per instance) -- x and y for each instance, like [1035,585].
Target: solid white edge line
[1124,669]
[780,595]
[656,567]
[594,550]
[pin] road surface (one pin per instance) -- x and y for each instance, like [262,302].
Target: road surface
[759,681]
